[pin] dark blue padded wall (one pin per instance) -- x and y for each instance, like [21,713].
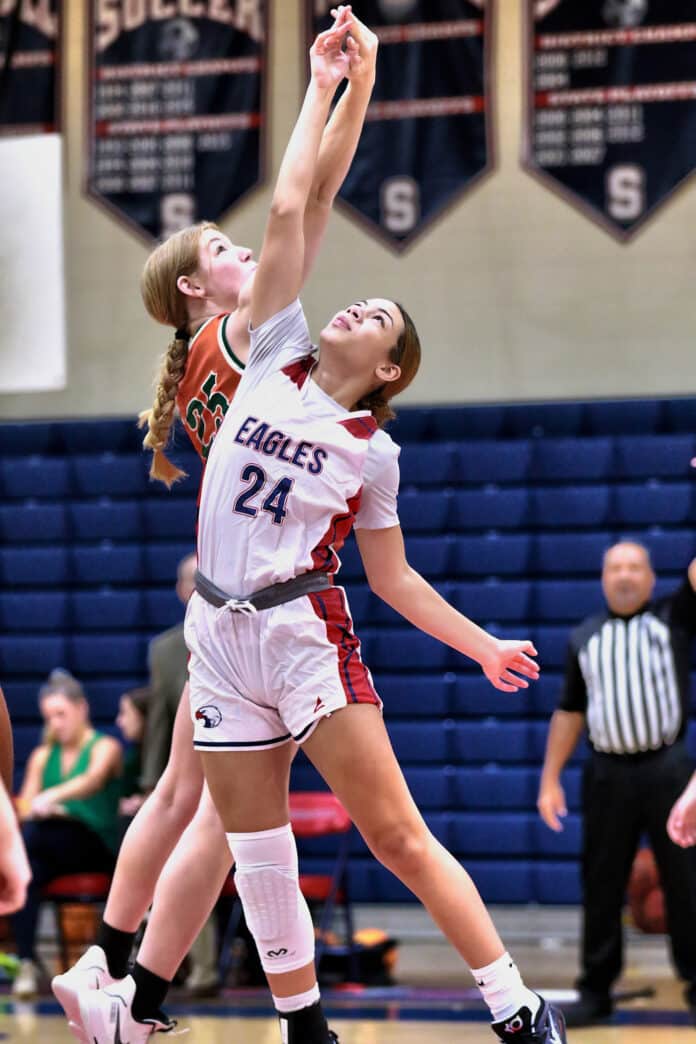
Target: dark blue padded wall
[507,510]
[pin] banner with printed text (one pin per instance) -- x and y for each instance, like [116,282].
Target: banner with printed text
[29,68]
[611,104]
[177,106]
[428,134]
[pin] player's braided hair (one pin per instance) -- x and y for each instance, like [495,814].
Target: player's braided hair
[406,353]
[177,256]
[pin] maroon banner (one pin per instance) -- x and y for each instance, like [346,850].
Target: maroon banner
[611,104]
[29,69]
[177,103]
[428,135]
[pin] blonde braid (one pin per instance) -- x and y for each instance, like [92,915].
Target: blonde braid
[160,417]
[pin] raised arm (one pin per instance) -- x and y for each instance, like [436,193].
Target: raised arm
[394,581]
[279,276]
[341,135]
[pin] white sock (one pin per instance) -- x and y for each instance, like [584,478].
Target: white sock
[502,988]
[285,1005]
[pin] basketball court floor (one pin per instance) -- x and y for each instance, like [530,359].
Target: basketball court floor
[433,1003]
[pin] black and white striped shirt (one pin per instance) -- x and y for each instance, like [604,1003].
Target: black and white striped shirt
[630,675]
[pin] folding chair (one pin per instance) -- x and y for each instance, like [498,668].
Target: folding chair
[313,814]
[83,889]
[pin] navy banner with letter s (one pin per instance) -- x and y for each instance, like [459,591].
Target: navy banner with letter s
[428,136]
[29,40]
[611,110]
[177,108]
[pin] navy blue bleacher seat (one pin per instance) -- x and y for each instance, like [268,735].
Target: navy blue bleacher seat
[491,833]
[362,603]
[31,611]
[25,438]
[430,786]
[503,881]
[40,477]
[162,560]
[572,459]
[571,507]
[491,740]
[412,424]
[426,464]
[623,417]
[570,554]
[551,644]
[104,694]
[671,550]
[654,456]
[109,474]
[492,599]
[101,654]
[409,695]
[655,503]
[450,423]
[99,435]
[175,520]
[419,742]
[35,567]
[106,519]
[494,554]
[494,787]
[545,693]
[22,699]
[680,415]
[107,610]
[424,511]
[492,461]
[404,649]
[474,696]
[430,555]
[35,655]
[162,609]
[188,486]
[554,601]
[33,523]
[542,419]
[108,563]
[566,843]
[492,507]
[556,882]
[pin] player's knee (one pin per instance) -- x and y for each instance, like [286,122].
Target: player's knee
[276,912]
[401,846]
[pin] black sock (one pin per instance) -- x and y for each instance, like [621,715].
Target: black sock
[117,946]
[150,992]
[306,1026]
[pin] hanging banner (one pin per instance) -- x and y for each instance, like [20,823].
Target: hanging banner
[611,104]
[29,94]
[428,136]
[177,109]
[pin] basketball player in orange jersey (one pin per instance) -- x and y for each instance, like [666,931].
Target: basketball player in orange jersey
[199,283]
[300,458]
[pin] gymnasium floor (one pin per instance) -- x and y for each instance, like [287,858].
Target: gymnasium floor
[433,1003]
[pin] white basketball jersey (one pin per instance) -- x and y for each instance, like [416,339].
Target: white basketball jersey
[290,470]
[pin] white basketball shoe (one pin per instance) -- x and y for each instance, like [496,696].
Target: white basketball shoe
[90,973]
[107,1016]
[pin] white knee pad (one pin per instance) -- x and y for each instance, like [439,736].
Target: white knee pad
[267,881]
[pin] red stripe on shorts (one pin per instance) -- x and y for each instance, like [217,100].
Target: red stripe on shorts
[330,606]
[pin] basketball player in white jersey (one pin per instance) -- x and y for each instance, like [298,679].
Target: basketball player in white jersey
[274,661]
[199,283]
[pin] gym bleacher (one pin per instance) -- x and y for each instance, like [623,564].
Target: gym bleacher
[506,509]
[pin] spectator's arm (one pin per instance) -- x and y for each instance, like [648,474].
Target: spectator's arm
[105,763]
[6,746]
[32,782]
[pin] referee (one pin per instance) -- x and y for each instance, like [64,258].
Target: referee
[627,681]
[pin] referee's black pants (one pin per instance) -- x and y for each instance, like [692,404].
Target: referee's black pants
[625,797]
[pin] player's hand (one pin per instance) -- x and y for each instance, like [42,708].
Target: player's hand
[509,664]
[552,805]
[681,825]
[328,61]
[15,874]
[361,46]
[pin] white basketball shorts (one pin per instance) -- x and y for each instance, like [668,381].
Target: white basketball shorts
[260,680]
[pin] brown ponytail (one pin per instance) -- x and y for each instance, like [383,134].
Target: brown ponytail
[177,256]
[406,353]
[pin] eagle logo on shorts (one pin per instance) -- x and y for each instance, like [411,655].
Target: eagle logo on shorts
[210,716]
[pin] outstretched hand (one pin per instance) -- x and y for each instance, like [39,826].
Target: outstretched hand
[361,46]
[509,665]
[328,61]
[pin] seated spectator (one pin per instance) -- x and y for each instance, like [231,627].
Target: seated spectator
[68,805]
[131,721]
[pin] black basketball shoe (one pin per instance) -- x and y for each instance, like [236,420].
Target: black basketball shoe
[307,1026]
[546,1027]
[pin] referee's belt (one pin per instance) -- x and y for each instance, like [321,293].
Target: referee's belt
[267,597]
